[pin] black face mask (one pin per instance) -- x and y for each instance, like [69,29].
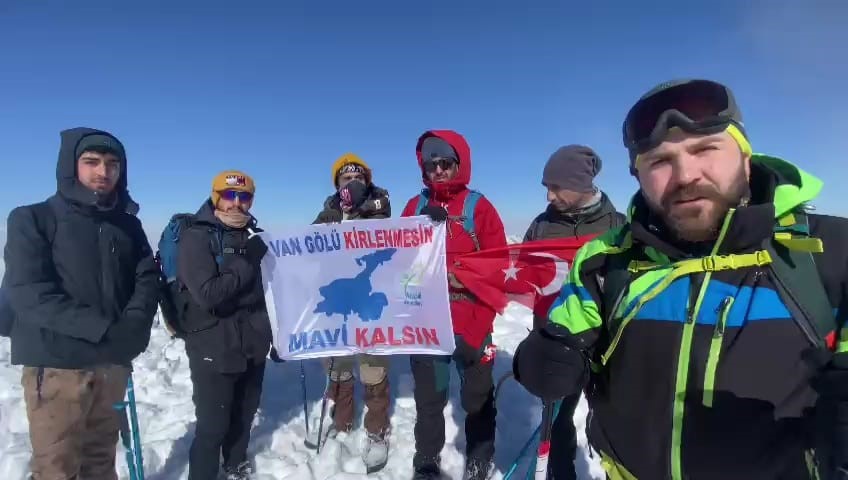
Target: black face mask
[352,195]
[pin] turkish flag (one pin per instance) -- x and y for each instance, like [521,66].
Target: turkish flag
[531,273]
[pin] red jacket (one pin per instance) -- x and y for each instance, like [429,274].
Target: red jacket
[472,320]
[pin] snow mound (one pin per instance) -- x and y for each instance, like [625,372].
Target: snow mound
[166,418]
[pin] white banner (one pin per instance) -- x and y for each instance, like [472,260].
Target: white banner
[363,286]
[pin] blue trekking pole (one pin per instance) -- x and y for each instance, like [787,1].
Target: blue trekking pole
[130,436]
[126,440]
[139,459]
[522,453]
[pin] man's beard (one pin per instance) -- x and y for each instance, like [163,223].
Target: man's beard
[701,223]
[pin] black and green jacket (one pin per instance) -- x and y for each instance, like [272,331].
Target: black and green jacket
[697,361]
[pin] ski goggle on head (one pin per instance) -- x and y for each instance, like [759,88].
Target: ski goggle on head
[232,195]
[700,107]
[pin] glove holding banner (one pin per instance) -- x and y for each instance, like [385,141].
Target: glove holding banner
[436,214]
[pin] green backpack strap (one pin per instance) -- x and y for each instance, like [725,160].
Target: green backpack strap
[615,278]
[798,280]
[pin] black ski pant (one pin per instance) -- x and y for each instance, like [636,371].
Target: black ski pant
[564,442]
[431,374]
[224,404]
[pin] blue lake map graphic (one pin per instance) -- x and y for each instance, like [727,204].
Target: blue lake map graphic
[346,296]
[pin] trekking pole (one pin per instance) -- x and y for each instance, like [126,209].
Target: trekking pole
[126,439]
[539,463]
[303,387]
[139,459]
[324,404]
[522,453]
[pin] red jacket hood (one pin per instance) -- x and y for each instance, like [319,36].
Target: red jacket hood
[463,151]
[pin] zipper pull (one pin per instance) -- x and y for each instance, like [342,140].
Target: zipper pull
[722,305]
[722,311]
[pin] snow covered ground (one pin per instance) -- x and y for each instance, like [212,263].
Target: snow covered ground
[166,416]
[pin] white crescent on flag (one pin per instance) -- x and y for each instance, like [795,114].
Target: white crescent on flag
[559,277]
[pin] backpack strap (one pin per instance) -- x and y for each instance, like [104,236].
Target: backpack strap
[468,206]
[422,201]
[798,280]
[616,278]
[467,217]
[217,244]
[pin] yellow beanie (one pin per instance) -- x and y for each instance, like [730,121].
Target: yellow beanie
[231,180]
[347,159]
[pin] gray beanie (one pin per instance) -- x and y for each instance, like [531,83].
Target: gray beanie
[573,167]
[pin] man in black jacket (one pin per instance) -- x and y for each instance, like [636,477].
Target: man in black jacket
[357,197]
[82,286]
[228,330]
[577,207]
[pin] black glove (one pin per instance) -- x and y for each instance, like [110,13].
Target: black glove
[830,380]
[255,249]
[352,195]
[274,356]
[547,367]
[464,354]
[330,216]
[436,214]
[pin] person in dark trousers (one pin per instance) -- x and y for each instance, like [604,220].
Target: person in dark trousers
[712,322]
[357,198]
[82,289]
[576,207]
[444,160]
[228,329]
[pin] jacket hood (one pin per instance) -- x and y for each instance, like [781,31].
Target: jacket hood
[463,152]
[69,186]
[773,180]
[790,187]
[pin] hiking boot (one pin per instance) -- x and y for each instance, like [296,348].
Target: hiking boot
[426,468]
[478,470]
[375,455]
[241,472]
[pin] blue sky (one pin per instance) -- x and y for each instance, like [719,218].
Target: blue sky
[280,89]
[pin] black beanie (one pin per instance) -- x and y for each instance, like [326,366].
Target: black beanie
[573,167]
[435,147]
[100,142]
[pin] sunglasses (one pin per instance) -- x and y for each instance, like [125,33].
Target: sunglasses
[232,195]
[697,106]
[444,163]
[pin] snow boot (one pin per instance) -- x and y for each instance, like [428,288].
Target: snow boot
[426,468]
[376,453]
[242,471]
[478,470]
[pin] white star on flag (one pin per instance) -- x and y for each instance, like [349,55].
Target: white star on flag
[511,272]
